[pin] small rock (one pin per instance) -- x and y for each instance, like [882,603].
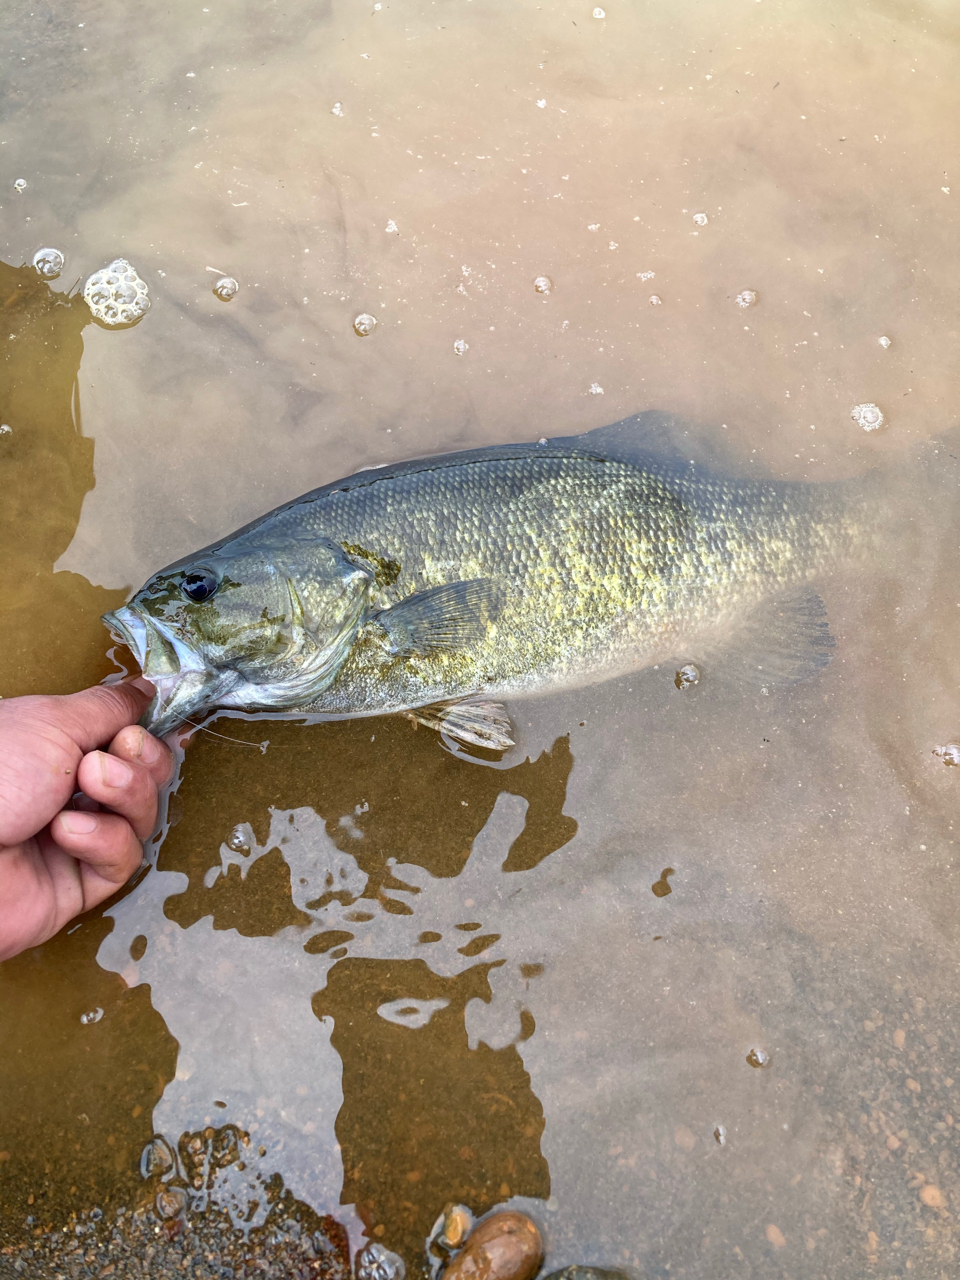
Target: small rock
[505,1246]
[932,1196]
[776,1236]
[456,1223]
[170,1202]
[374,1262]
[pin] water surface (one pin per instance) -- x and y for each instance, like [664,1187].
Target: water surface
[408,977]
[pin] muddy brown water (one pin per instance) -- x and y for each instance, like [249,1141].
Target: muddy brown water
[411,978]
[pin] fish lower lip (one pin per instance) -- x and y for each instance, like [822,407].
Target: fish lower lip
[127,629]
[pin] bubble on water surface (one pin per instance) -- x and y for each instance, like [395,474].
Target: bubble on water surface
[374,1262]
[239,840]
[20,186]
[543,284]
[701,219]
[687,676]
[156,1157]
[364,325]
[94,1015]
[758,1058]
[226,288]
[599,13]
[747,299]
[645,275]
[867,416]
[337,109]
[655,300]
[116,295]
[949,754]
[596,389]
[720,1135]
[392,227]
[884,342]
[5,429]
[461,347]
[170,1202]
[48,263]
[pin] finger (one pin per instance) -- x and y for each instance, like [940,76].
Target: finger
[104,842]
[139,747]
[123,786]
[97,715]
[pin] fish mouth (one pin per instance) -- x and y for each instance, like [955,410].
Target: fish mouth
[184,684]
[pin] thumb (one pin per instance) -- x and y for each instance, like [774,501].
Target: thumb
[95,716]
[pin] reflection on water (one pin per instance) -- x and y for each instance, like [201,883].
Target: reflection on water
[405,977]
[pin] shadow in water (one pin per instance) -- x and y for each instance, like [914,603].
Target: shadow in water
[385,791]
[53,639]
[425,1118]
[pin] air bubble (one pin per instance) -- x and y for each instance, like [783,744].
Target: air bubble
[170,1202]
[867,416]
[701,219]
[374,1262]
[337,109]
[94,1015]
[48,263]
[238,841]
[20,186]
[687,676]
[116,295]
[949,754]
[747,299]
[156,1157]
[720,1135]
[364,325]
[655,300]
[758,1058]
[226,288]
[884,342]
[392,227]
[645,275]
[596,389]
[599,13]
[461,347]
[543,284]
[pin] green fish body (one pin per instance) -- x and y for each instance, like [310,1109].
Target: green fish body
[443,586]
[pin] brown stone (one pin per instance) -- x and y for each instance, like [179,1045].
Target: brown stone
[505,1246]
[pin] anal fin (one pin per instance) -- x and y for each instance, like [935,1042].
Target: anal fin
[474,721]
[784,641]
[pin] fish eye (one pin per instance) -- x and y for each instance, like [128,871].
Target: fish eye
[199,585]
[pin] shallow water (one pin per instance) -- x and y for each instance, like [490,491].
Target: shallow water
[408,977]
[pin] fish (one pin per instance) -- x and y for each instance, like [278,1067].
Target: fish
[445,587]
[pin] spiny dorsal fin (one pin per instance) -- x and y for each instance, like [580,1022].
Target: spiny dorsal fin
[447,617]
[475,721]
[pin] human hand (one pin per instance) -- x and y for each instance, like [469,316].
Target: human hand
[58,861]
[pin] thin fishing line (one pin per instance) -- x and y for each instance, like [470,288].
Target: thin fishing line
[259,745]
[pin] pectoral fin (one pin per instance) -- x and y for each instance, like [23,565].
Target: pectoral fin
[472,720]
[448,617]
[785,641]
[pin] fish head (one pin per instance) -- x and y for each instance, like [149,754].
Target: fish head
[256,623]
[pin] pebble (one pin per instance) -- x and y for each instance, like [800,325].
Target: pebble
[543,284]
[171,1202]
[374,1262]
[747,298]
[867,416]
[48,263]
[156,1158]
[364,325]
[949,754]
[687,676]
[116,295]
[452,1228]
[226,288]
[505,1246]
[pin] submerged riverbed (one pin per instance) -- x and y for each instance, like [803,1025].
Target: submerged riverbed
[678,975]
